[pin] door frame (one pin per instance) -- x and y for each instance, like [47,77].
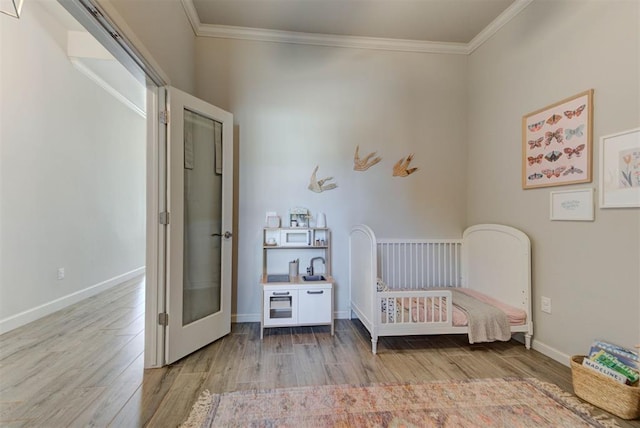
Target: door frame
[104,23]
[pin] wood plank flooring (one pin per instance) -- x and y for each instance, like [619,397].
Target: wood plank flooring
[83,366]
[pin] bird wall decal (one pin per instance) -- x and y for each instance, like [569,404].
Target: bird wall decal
[401,168]
[319,186]
[366,163]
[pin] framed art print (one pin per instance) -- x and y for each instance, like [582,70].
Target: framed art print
[620,170]
[556,143]
[572,205]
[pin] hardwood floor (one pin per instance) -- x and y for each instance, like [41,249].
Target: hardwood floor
[83,366]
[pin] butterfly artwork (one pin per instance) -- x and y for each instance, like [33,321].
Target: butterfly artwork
[535,143]
[568,133]
[535,176]
[572,170]
[554,119]
[534,160]
[577,151]
[550,136]
[577,112]
[535,127]
[553,156]
[556,144]
[554,172]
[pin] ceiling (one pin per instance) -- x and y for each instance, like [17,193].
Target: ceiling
[427,21]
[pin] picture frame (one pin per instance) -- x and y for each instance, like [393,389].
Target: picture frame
[572,205]
[557,143]
[620,169]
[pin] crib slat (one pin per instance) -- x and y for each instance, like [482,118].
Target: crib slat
[416,264]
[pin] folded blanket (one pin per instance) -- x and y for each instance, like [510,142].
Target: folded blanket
[486,323]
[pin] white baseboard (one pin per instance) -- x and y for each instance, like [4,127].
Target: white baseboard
[239,318]
[550,352]
[25,317]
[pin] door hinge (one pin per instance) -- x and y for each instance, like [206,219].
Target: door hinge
[163,217]
[163,318]
[164,117]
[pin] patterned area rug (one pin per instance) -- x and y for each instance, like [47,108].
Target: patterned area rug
[509,402]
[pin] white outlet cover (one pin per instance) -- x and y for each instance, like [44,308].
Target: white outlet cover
[545,304]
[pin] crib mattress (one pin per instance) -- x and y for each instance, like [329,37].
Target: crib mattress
[515,315]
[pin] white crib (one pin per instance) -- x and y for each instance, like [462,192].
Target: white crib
[494,260]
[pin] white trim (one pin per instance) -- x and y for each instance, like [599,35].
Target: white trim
[276,36]
[258,34]
[240,318]
[25,317]
[509,13]
[552,353]
[104,85]
[192,15]
[155,243]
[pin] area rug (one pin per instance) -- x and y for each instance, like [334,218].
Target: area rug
[509,402]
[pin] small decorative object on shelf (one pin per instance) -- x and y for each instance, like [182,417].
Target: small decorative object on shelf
[299,217]
[321,221]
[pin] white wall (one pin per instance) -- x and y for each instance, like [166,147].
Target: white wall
[72,170]
[550,51]
[162,28]
[297,106]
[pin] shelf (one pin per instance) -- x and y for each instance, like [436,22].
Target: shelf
[296,228]
[292,247]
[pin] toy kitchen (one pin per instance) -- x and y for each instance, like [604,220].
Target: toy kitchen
[297,286]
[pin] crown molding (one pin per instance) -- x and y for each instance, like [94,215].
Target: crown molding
[192,15]
[277,36]
[495,25]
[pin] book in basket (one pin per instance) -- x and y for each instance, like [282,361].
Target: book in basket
[597,367]
[614,363]
[626,356]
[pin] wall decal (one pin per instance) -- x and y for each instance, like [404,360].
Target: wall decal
[366,163]
[318,186]
[556,143]
[401,168]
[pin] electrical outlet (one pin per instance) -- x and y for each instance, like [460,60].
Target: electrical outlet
[60,273]
[545,304]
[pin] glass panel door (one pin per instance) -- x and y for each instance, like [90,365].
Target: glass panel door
[199,244]
[202,216]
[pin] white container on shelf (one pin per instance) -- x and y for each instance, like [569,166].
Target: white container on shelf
[322,220]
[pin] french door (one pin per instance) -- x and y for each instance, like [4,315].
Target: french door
[199,244]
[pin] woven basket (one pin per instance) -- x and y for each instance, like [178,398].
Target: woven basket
[601,391]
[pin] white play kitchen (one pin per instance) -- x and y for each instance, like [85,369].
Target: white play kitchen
[291,297]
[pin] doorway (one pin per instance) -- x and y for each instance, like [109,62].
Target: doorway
[182,263]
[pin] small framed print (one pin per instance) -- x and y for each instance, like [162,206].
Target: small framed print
[572,205]
[556,143]
[620,170]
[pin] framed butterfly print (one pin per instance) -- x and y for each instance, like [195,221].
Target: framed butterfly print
[620,170]
[557,143]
